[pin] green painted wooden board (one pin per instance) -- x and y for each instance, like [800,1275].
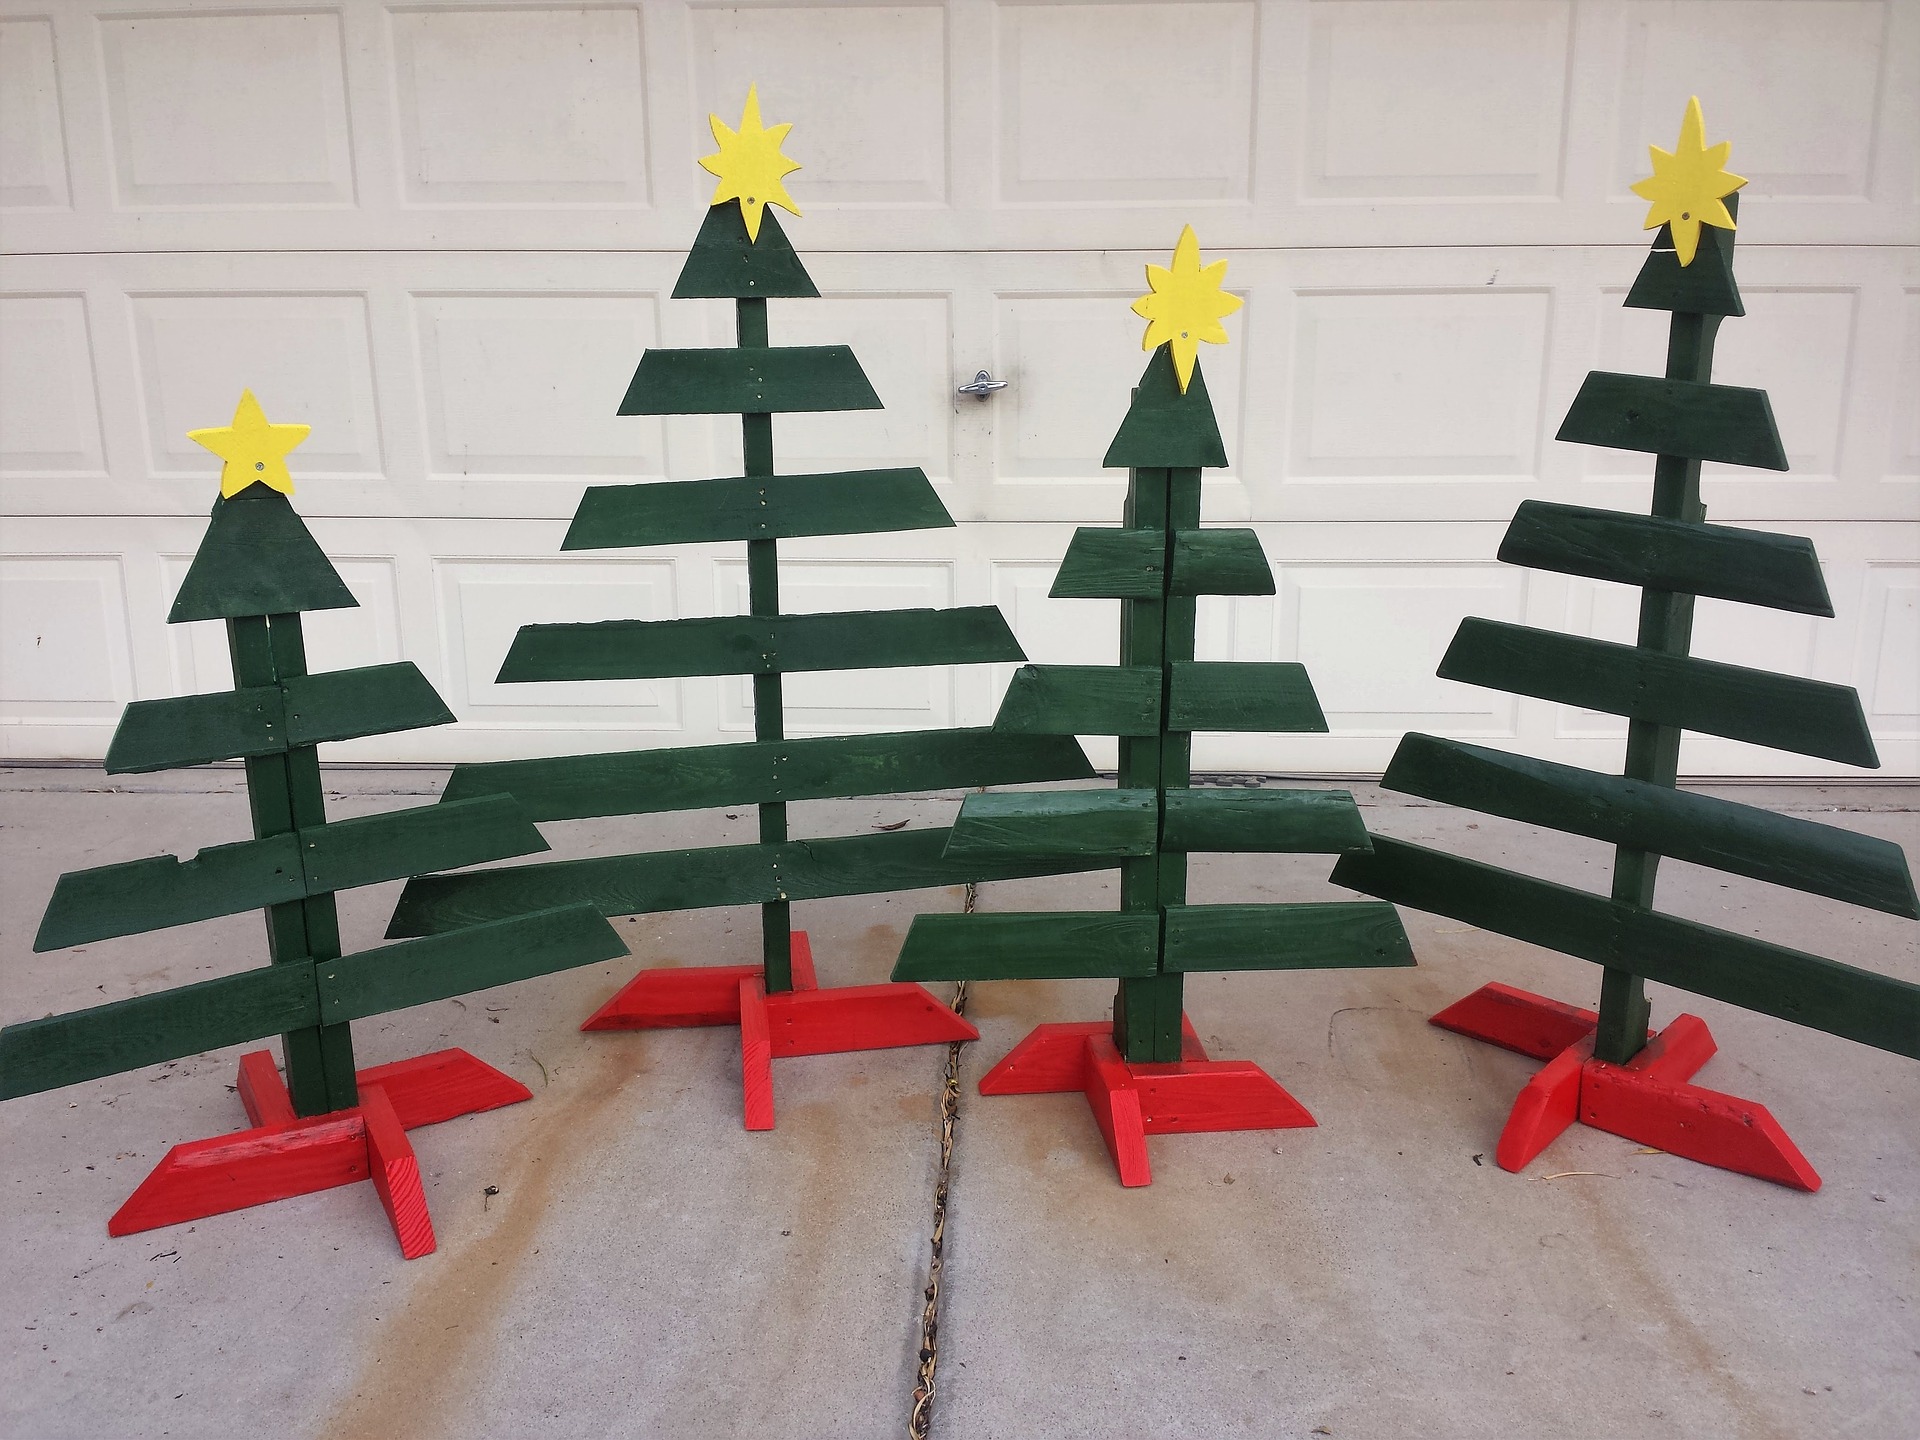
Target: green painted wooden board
[1052,945]
[701,879]
[415,972]
[1806,717]
[367,700]
[1752,567]
[1165,429]
[1675,417]
[1706,287]
[257,558]
[772,507]
[759,645]
[1857,1004]
[749,381]
[38,1055]
[155,894]
[197,729]
[1119,564]
[1330,935]
[644,782]
[723,264]
[1081,700]
[1243,695]
[1699,829]
[1109,563]
[1219,562]
[1263,822]
[347,854]
[1057,823]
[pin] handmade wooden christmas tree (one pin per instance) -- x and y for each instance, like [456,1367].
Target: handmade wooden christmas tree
[741,254]
[1603,1068]
[327,1124]
[1147,1073]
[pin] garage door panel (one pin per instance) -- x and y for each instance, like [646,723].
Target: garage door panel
[33,149]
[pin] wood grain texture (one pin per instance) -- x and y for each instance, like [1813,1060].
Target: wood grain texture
[1164,428]
[1054,945]
[367,700]
[197,729]
[700,879]
[415,972]
[1806,717]
[643,782]
[1727,423]
[1316,822]
[1081,700]
[759,645]
[1331,935]
[1219,562]
[257,558]
[1860,1005]
[1751,567]
[346,854]
[755,507]
[164,891]
[725,264]
[1243,695]
[1699,829]
[1058,823]
[1111,563]
[748,381]
[395,1172]
[62,1050]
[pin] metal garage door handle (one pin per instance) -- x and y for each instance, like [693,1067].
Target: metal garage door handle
[981,386]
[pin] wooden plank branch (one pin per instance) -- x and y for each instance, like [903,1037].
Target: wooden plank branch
[1806,717]
[1055,945]
[1336,934]
[1062,823]
[1243,695]
[748,381]
[1081,700]
[1248,822]
[1687,418]
[756,507]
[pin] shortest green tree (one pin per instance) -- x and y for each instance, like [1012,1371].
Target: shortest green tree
[1146,1072]
[327,1123]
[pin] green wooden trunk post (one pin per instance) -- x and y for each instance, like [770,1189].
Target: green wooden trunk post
[1155,565]
[1604,1068]
[756,381]
[257,569]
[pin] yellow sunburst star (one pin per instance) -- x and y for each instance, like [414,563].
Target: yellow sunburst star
[1185,305]
[750,165]
[255,451]
[1687,187]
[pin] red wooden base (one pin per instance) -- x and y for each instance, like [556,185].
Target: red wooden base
[805,1020]
[283,1156]
[1131,1102]
[1648,1099]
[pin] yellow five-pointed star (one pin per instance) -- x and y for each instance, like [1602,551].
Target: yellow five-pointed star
[1688,186]
[255,451]
[750,165]
[1185,305]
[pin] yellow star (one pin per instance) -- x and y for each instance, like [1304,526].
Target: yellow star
[750,165]
[1688,186]
[254,450]
[1185,306]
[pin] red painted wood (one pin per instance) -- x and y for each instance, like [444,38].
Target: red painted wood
[1692,1121]
[694,995]
[285,1156]
[1646,1100]
[1677,1052]
[262,1091]
[1190,1046]
[396,1174]
[756,1055]
[233,1172]
[861,1017]
[431,1089]
[1517,1020]
[1195,1096]
[1051,1060]
[672,999]
[1116,1110]
[1544,1108]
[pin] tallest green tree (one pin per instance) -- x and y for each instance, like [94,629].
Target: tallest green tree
[743,255]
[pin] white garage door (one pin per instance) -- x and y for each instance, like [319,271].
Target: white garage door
[443,235]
